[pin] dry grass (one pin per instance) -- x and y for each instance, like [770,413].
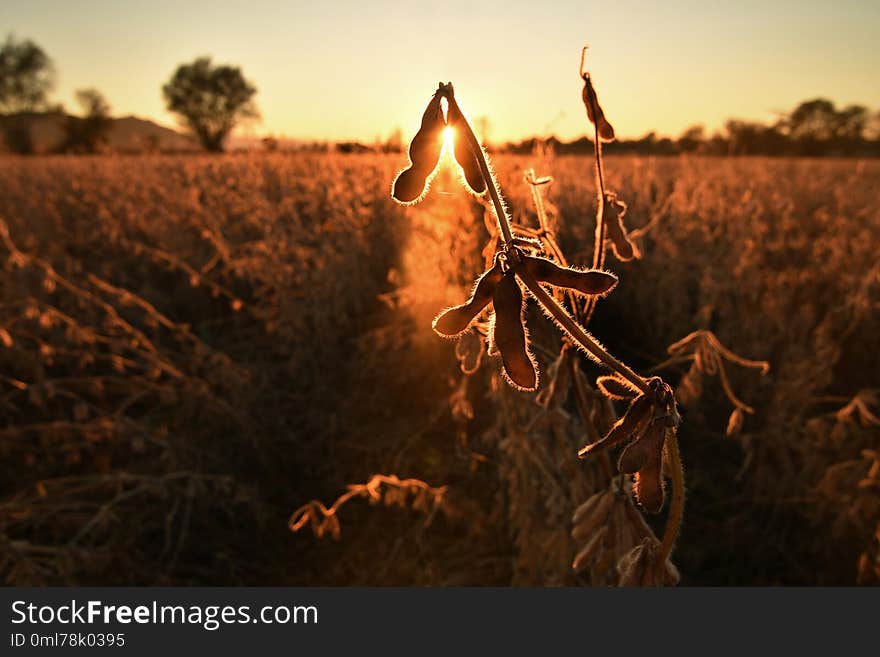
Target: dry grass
[193,347]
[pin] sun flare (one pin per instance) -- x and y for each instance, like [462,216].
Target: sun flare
[448,139]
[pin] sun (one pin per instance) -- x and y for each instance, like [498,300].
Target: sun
[448,139]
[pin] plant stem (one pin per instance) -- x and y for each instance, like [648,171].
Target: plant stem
[676,506]
[599,244]
[576,331]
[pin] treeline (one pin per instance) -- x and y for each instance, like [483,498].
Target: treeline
[211,100]
[814,128]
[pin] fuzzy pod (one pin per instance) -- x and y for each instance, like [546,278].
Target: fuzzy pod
[645,450]
[591,282]
[616,388]
[629,426]
[585,556]
[644,457]
[614,211]
[594,518]
[424,154]
[558,376]
[509,334]
[594,111]
[624,536]
[638,567]
[464,155]
[454,321]
[586,508]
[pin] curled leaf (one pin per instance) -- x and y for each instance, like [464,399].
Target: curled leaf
[469,351]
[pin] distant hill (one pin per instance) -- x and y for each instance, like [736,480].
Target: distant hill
[126,134]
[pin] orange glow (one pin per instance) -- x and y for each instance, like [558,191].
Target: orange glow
[448,140]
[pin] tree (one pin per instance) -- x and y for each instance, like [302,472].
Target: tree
[210,99]
[691,139]
[88,133]
[26,78]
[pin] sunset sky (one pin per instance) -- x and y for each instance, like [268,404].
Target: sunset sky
[357,70]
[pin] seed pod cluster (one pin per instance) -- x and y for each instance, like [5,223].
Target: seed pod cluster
[507,332]
[643,427]
[465,157]
[639,567]
[424,154]
[606,527]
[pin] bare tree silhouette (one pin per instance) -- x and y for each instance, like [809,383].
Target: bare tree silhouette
[210,99]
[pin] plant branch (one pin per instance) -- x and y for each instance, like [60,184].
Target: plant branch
[563,319]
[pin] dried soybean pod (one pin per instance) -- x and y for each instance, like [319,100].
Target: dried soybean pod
[586,281]
[637,522]
[596,517]
[455,320]
[638,567]
[644,458]
[465,157]
[584,509]
[615,387]
[629,426]
[615,210]
[509,336]
[594,111]
[647,448]
[586,555]
[424,154]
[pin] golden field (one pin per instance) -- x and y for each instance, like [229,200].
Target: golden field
[191,348]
